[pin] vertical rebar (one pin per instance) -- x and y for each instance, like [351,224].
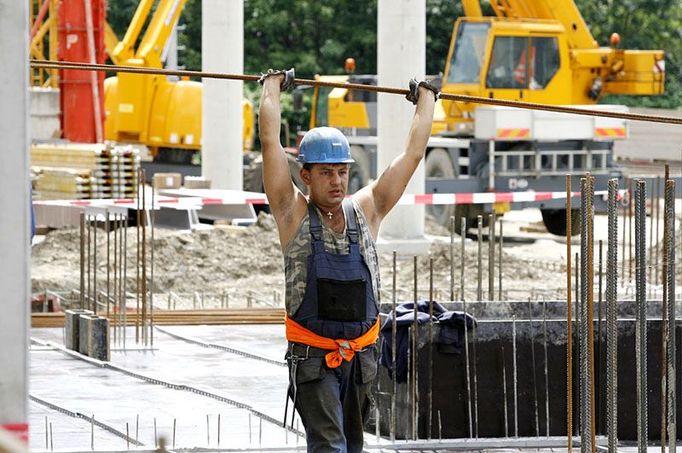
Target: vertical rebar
[151,278]
[652,263]
[504,392]
[491,256]
[630,209]
[531,336]
[664,325]
[94,266]
[114,296]
[107,227]
[466,348]
[430,358]
[143,291]
[88,259]
[672,319]
[515,379]
[452,258]
[590,304]
[124,293]
[462,256]
[569,322]
[624,241]
[641,317]
[544,342]
[658,226]
[586,422]
[475,373]
[611,320]
[415,333]
[479,281]
[82,262]
[599,357]
[499,262]
[138,216]
[394,333]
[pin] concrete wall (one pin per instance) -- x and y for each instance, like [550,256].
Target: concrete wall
[44,113]
[14,221]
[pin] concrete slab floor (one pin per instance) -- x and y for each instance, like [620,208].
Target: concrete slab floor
[189,386]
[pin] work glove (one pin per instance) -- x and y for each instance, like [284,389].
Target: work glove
[413,95]
[289,76]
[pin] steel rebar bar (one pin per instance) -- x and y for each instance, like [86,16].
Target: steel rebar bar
[515,379]
[143,291]
[611,319]
[491,256]
[504,391]
[94,267]
[569,322]
[671,323]
[462,257]
[641,316]
[586,430]
[81,295]
[531,336]
[415,327]
[499,262]
[394,333]
[479,268]
[466,348]
[452,258]
[430,351]
[664,324]
[107,227]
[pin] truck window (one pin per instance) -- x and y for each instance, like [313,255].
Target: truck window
[546,62]
[508,65]
[322,110]
[467,57]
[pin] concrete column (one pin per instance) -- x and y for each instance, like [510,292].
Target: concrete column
[401,29]
[222,50]
[15,220]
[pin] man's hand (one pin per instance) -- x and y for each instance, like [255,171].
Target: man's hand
[286,76]
[418,88]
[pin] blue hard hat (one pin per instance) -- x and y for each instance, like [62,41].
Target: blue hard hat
[324,145]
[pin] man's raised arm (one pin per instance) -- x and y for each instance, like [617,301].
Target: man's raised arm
[379,197]
[279,187]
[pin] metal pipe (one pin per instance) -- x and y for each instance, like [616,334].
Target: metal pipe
[611,320]
[641,317]
[569,322]
[672,319]
[479,281]
[394,333]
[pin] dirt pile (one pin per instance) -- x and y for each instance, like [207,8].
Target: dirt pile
[237,260]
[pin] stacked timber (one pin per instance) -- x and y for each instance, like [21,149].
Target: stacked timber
[67,171]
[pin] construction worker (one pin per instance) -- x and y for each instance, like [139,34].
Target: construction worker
[331,264]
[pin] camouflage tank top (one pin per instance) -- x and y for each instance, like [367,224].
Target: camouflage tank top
[298,250]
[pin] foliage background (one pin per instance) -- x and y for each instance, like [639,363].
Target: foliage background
[316,37]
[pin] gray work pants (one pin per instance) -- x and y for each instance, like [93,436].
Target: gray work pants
[334,404]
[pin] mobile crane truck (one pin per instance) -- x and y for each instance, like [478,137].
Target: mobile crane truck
[531,50]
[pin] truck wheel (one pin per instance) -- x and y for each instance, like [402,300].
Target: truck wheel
[439,165]
[359,171]
[471,213]
[555,221]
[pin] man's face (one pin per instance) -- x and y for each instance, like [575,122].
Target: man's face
[327,183]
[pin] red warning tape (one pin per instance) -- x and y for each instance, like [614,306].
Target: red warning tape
[238,198]
[18,429]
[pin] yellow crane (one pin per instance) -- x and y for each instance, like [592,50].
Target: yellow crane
[162,113]
[530,50]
